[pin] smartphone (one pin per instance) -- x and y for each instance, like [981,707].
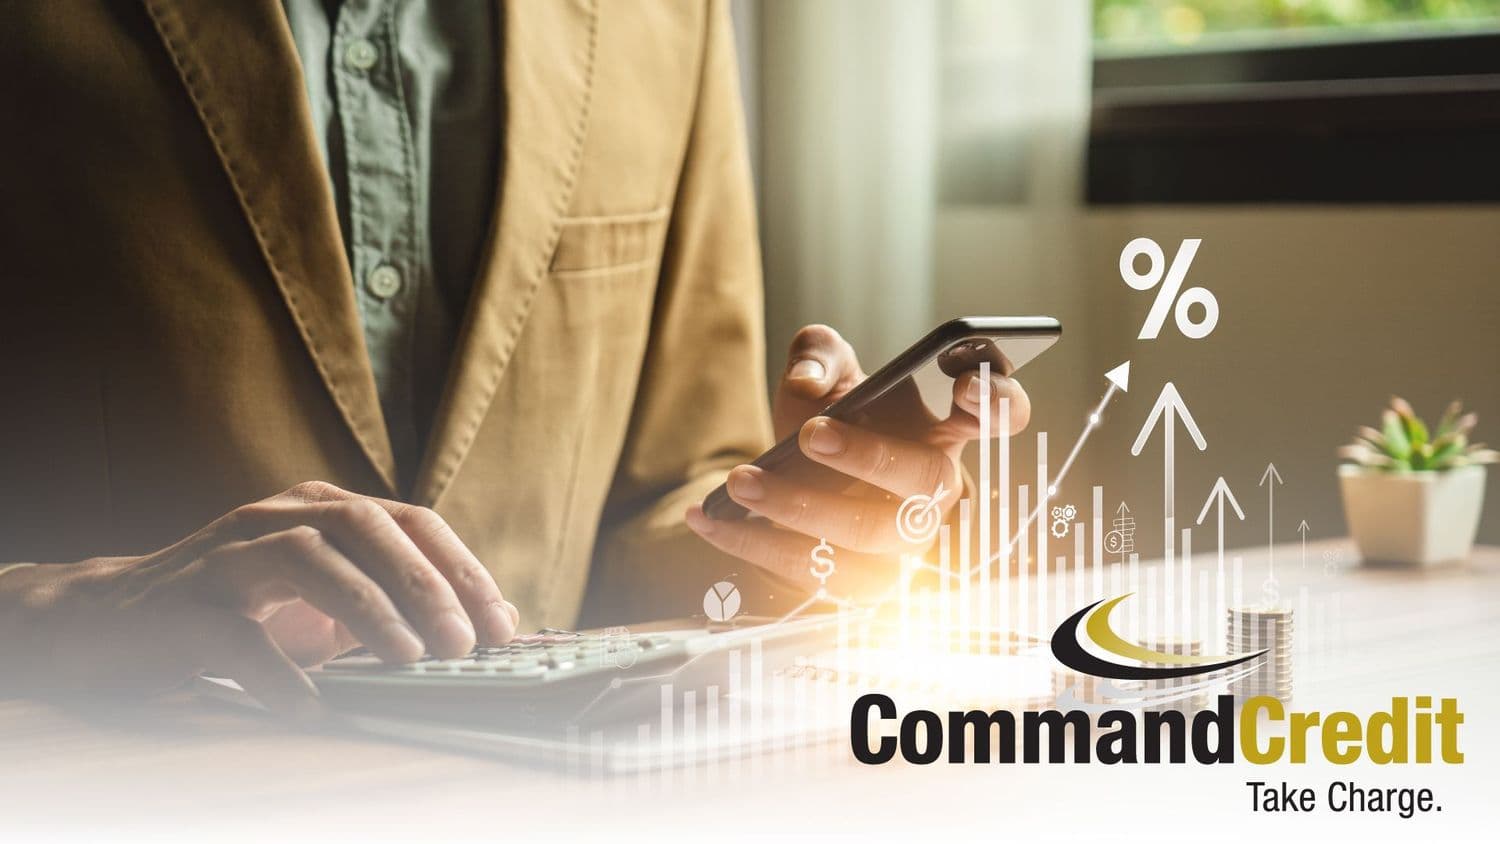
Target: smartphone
[910,393]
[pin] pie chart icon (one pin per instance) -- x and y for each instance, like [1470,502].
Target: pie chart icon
[722,601]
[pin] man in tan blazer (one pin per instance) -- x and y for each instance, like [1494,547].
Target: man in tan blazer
[192,440]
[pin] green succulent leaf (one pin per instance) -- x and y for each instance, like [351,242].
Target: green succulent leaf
[1450,416]
[1371,436]
[1397,444]
[1404,442]
[1416,431]
[1446,448]
[1465,424]
[1483,455]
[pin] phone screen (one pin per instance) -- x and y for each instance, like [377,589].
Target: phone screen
[906,404]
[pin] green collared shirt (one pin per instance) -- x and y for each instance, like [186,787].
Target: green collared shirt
[406,100]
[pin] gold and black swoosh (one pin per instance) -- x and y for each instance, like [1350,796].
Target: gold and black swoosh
[1094,619]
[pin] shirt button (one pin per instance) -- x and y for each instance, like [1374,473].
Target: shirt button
[361,55]
[384,282]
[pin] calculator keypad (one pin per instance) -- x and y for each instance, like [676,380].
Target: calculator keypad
[529,656]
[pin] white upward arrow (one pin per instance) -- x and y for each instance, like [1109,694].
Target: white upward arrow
[1269,480]
[1168,407]
[1302,529]
[1219,493]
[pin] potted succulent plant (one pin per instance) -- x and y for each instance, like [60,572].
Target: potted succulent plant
[1413,495]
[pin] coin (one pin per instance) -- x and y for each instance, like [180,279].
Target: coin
[1266,631]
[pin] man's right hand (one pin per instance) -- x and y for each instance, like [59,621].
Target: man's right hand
[298,577]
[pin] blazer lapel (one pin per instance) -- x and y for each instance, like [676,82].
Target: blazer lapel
[548,59]
[240,67]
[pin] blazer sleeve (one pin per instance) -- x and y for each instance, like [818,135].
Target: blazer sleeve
[701,405]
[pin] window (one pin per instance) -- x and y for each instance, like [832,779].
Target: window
[1295,101]
[1126,26]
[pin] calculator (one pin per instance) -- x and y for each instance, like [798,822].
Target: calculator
[554,678]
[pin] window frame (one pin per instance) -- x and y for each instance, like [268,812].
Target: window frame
[1383,120]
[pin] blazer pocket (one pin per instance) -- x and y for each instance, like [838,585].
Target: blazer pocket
[604,246]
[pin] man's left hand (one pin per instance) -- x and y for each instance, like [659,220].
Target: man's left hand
[884,470]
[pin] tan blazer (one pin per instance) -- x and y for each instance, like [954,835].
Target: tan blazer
[179,336]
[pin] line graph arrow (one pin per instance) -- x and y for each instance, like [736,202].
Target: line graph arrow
[1119,381]
[1168,409]
[1269,480]
[1120,376]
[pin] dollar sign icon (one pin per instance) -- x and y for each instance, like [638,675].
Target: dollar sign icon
[1271,592]
[822,562]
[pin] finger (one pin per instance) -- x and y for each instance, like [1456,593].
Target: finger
[779,551]
[820,364]
[368,535]
[898,466]
[859,523]
[495,618]
[302,559]
[1004,394]
[305,633]
[227,643]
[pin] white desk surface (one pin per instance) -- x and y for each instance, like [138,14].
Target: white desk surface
[181,769]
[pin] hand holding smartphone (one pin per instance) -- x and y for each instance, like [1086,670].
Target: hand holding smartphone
[910,393]
[854,447]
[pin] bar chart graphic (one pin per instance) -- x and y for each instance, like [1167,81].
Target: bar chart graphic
[980,602]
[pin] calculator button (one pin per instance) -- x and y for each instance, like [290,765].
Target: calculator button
[356,663]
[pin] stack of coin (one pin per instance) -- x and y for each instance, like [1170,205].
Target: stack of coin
[1173,687]
[1266,629]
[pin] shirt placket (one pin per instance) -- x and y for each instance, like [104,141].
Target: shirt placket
[382,185]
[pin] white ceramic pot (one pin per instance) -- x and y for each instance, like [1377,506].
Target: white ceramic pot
[1413,517]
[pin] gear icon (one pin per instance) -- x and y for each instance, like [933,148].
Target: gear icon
[1062,520]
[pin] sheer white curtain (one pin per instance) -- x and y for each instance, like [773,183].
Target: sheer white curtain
[1012,235]
[848,106]
[903,146]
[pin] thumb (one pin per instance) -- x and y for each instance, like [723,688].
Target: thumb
[820,365]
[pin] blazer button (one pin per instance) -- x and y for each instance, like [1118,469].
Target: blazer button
[361,55]
[384,282]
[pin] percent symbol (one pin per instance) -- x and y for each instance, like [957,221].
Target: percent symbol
[1175,272]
